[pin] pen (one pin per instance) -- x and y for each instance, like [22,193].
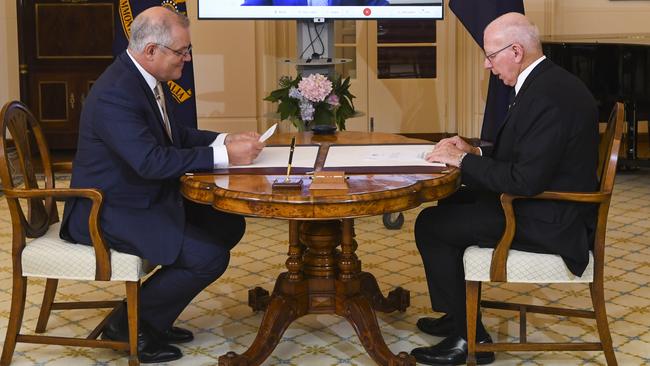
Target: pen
[293,145]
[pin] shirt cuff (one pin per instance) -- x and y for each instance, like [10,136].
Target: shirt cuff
[220,140]
[219,152]
[480,151]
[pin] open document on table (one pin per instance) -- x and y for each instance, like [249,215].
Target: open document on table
[385,158]
[274,160]
[278,157]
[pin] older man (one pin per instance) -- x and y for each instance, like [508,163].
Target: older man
[548,141]
[131,147]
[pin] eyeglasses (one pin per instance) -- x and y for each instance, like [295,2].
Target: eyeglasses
[492,55]
[182,52]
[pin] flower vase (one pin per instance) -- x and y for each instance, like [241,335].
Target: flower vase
[299,124]
[324,129]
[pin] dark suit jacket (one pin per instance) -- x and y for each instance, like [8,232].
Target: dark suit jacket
[304,2]
[548,141]
[124,151]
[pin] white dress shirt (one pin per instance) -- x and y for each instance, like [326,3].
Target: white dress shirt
[520,81]
[219,151]
[524,74]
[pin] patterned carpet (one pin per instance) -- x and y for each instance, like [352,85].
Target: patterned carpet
[222,321]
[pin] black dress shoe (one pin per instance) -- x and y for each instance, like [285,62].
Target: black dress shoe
[175,335]
[155,352]
[150,349]
[439,327]
[451,351]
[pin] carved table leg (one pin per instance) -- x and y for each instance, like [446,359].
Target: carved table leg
[356,302]
[294,261]
[323,280]
[359,313]
[398,299]
[258,298]
[281,311]
[348,261]
[350,268]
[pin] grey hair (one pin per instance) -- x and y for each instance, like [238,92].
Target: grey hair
[146,29]
[523,32]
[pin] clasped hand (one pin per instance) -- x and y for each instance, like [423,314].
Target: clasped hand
[450,150]
[243,147]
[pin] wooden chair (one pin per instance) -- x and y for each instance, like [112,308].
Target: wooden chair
[48,256]
[505,265]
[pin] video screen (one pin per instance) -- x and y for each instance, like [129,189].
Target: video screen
[327,9]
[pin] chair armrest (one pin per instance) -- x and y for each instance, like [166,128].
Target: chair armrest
[102,253]
[500,255]
[583,197]
[56,193]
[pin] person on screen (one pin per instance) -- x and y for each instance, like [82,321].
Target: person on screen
[548,141]
[133,149]
[317,2]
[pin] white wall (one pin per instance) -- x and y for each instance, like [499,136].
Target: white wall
[224,72]
[563,17]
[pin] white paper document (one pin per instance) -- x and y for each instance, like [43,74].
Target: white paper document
[268,133]
[278,156]
[378,155]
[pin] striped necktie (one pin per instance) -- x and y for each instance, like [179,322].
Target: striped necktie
[160,98]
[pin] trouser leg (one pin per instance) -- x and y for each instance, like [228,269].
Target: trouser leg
[442,234]
[201,261]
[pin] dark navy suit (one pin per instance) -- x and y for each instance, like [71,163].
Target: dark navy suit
[305,3]
[548,141]
[123,150]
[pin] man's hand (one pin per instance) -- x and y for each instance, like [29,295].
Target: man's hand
[243,148]
[459,143]
[448,154]
[450,151]
[241,136]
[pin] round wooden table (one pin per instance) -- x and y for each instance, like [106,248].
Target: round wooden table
[322,278]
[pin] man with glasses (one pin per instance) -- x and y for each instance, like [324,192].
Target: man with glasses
[548,141]
[132,148]
[183,52]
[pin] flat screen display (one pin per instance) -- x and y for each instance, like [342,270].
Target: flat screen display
[320,9]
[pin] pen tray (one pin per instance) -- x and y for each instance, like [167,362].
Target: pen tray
[292,183]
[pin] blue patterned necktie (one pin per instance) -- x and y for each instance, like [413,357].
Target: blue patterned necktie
[319,3]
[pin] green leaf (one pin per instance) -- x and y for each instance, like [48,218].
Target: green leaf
[277,95]
[288,108]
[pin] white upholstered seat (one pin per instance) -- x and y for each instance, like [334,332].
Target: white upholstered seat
[524,267]
[49,256]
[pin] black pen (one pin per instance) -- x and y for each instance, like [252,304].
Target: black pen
[293,145]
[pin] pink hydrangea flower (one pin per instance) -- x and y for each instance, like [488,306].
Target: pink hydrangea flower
[333,100]
[315,87]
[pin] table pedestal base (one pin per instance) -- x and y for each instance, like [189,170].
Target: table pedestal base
[323,280]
